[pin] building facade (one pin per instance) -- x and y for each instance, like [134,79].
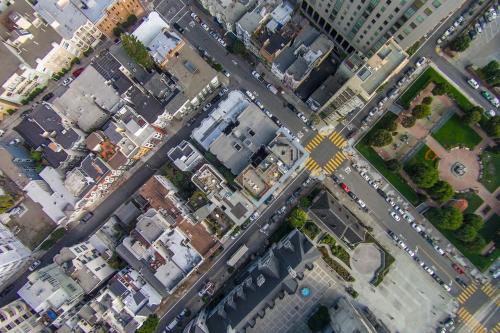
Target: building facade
[13,254]
[17,317]
[365,26]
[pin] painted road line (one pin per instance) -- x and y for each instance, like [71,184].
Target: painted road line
[311,164]
[488,289]
[334,136]
[496,329]
[314,142]
[470,321]
[468,292]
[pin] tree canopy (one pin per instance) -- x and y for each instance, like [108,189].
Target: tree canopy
[297,218]
[474,221]
[150,325]
[472,117]
[6,202]
[319,319]
[491,73]
[423,174]
[442,191]
[466,233]
[440,89]
[137,51]
[492,126]
[380,138]
[393,165]
[421,111]
[427,100]
[460,43]
[408,121]
[448,217]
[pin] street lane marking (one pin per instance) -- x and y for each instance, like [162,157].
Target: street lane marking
[488,289]
[334,162]
[314,142]
[311,164]
[337,139]
[496,329]
[468,292]
[470,321]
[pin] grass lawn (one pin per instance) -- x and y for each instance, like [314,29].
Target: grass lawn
[481,262]
[455,133]
[430,75]
[491,168]
[393,177]
[426,155]
[472,198]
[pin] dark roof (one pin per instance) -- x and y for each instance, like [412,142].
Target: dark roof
[337,218]
[117,288]
[145,105]
[110,131]
[120,56]
[266,279]
[106,65]
[93,167]
[50,121]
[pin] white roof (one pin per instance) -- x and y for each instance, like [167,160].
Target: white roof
[149,28]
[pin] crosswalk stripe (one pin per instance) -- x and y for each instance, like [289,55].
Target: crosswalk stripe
[333,136]
[309,162]
[316,171]
[462,299]
[488,289]
[329,169]
[339,141]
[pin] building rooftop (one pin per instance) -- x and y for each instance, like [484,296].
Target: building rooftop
[324,92]
[185,156]
[338,218]
[89,100]
[94,10]
[111,70]
[268,277]
[61,15]
[88,174]
[150,27]
[243,138]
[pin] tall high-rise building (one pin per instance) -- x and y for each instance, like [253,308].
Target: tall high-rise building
[365,25]
[12,254]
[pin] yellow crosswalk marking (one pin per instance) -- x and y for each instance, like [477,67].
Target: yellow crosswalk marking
[334,136]
[496,329]
[339,141]
[488,289]
[314,142]
[316,171]
[468,292]
[470,321]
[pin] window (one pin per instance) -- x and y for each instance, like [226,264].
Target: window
[413,25]
[420,19]
[428,11]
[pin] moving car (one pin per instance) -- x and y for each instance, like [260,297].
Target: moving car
[461,282]
[473,83]
[302,117]
[439,250]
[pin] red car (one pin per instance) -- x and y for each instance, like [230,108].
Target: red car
[345,187]
[77,72]
[459,269]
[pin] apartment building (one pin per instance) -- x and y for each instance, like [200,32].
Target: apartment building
[17,163]
[106,14]
[52,294]
[365,26]
[17,317]
[77,31]
[228,13]
[13,254]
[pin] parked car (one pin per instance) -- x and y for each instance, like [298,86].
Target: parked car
[459,269]
[87,217]
[34,265]
[361,203]
[77,72]
[395,216]
[382,193]
[204,26]
[373,111]
[67,81]
[302,117]
[472,34]
[352,195]
[259,104]
[250,95]
[439,250]
[272,88]
[178,27]
[47,97]
[207,106]
[336,179]
[256,75]
[345,187]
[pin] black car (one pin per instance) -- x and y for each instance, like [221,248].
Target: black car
[461,282]
[292,107]
[336,179]
[87,217]
[47,97]
[353,196]
[178,27]
[382,193]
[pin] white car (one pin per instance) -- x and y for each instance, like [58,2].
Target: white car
[390,201]
[67,81]
[439,250]
[256,75]
[259,104]
[194,16]
[254,216]
[407,216]
[302,117]
[2,132]
[429,270]
[446,287]
[250,95]
[473,83]
[395,216]
[204,26]
[420,62]
[361,203]
[34,265]
[268,113]
[207,106]
[410,252]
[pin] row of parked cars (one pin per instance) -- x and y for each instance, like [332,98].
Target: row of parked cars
[489,16]
[205,27]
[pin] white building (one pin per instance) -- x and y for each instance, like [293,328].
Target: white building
[51,293]
[13,254]
[16,317]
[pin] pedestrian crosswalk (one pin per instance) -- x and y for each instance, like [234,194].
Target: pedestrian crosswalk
[468,292]
[314,142]
[313,166]
[337,139]
[496,329]
[334,162]
[471,322]
[488,289]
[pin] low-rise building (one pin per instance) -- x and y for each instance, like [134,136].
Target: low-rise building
[307,51]
[185,156]
[228,13]
[52,294]
[251,22]
[16,317]
[127,301]
[13,254]
[51,193]
[365,79]
[269,278]
[160,252]
[89,101]
[87,266]
[44,130]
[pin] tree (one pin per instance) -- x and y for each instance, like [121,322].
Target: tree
[450,218]
[408,121]
[304,202]
[237,47]
[427,100]
[118,30]
[491,73]
[460,43]
[472,117]
[218,67]
[150,325]
[474,221]
[116,262]
[137,51]
[131,20]
[297,218]
[391,126]
[423,174]
[466,233]
[477,244]
[421,111]
[441,191]
[6,202]
[315,118]
[440,89]
[319,319]
[393,165]
[492,126]
[380,138]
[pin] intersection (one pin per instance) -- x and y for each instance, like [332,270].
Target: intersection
[325,153]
